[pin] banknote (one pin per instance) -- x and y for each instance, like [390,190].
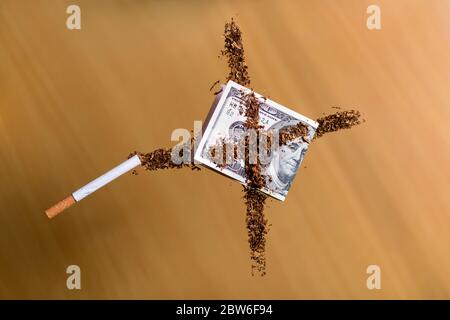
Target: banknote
[227,121]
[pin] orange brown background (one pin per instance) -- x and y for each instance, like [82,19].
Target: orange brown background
[73,104]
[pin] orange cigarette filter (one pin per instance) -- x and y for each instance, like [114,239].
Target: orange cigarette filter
[60,207]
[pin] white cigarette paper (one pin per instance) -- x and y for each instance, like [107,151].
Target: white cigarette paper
[103,180]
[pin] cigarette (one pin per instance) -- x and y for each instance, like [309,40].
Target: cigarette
[93,186]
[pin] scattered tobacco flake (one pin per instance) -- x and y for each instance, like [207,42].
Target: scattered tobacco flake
[161,159]
[234,52]
[254,199]
[257,228]
[214,84]
[251,111]
[156,160]
[337,121]
[292,132]
[225,147]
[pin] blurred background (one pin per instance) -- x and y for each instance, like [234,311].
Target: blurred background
[75,103]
